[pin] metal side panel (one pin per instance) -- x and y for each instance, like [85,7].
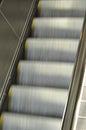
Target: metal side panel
[76,83]
[19,53]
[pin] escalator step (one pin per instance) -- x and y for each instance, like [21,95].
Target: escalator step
[61,8]
[44,74]
[37,100]
[14,121]
[51,49]
[57,27]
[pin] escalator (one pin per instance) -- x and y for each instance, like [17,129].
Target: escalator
[37,100]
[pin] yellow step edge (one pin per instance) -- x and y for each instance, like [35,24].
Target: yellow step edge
[26,45]
[38,7]
[10,91]
[9,96]
[0,120]
[32,26]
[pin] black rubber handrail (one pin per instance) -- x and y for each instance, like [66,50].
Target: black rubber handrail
[77,78]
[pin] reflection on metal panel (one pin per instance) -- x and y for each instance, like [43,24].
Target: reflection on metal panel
[8,42]
[16,12]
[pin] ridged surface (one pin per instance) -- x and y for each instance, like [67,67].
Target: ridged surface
[45,74]
[22,122]
[61,8]
[51,49]
[37,100]
[57,27]
[39,97]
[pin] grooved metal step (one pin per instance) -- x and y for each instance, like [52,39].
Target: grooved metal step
[51,49]
[37,100]
[61,8]
[45,74]
[57,27]
[23,122]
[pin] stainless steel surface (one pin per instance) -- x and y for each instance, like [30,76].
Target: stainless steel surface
[37,100]
[51,49]
[13,14]
[24,122]
[45,74]
[57,27]
[8,43]
[42,86]
[16,12]
[62,8]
